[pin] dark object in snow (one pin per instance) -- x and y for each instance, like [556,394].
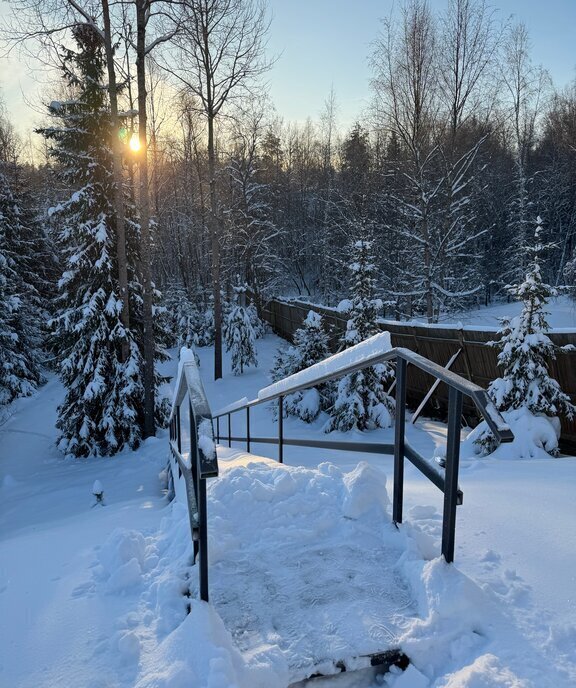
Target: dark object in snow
[98,492]
[376,665]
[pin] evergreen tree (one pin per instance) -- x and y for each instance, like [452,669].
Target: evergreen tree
[183,318]
[21,309]
[258,325]
[310,347]
[361,399]
[102,361]
[239,334]
[525,349]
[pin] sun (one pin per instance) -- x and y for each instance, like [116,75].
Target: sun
[134,143]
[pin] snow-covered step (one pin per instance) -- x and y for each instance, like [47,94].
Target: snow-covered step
[304,561]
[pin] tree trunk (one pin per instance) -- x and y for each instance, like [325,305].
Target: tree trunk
[215,241]
[119,207]
[147,316]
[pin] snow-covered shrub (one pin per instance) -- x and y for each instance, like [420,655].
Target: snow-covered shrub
[239,335]
[534,437]
[310,347]
[525,349]
[361,398]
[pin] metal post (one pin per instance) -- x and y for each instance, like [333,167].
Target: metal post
[399,439]
[229,429]
[193,448]
[203,539]
[192,482]
[248,429]
[218,430]
[178,433]
[451,476]
[280,429]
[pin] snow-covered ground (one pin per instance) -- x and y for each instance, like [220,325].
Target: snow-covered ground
[562,314]
[96,596]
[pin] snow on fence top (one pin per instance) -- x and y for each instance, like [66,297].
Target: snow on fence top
[234,406]
[370,348]
[340,312]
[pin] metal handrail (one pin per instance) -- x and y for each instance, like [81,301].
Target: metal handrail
[201,463]
[446,481]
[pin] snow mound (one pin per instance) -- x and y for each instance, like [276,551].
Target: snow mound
[122,558]
[535,437]
[485,672]
[365,489]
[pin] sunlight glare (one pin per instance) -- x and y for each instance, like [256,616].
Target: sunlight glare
[134,143]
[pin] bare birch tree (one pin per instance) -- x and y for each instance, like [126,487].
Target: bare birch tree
[221,53]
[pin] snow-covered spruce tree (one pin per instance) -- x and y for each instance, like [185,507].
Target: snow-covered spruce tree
[239,334]
[258,326]
[525,349]
[101,360]
[310,347]
[20,303]
[361,399]
[182,317]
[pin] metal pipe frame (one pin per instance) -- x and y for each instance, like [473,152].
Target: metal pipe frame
[198,467]
[446,480]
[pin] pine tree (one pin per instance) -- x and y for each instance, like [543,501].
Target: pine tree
[103,409]
[239,334]
[183,318]
[361,399]
[525,349]
[310,347]
[21,308]
[257,325]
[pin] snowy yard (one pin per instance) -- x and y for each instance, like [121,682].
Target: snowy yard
[305,564]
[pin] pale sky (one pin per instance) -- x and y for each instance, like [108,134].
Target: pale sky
[324,43]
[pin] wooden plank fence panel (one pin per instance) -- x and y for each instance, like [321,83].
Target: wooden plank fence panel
[477,363]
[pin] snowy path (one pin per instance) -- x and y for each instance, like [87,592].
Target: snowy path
[306,559]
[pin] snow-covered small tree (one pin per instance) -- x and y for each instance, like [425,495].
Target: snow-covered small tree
[239,334]
[182,316]
[361,399]
[310,347]
[258,326]
[205,330]
[525,350]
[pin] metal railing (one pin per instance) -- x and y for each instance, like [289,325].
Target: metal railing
[446,479]
[197,461]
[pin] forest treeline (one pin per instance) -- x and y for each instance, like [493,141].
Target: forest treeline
[204,186]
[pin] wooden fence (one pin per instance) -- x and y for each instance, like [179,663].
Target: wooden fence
[477,361]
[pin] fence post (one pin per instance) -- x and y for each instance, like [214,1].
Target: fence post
[451,474]
[248,429]
[280,429]
[229,429]
[399,439]
[218,430]
[178,432]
